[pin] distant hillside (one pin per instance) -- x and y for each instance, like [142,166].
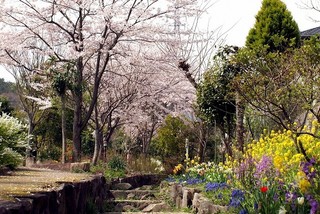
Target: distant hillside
[7,89]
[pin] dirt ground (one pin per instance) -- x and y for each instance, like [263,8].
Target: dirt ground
[23,181]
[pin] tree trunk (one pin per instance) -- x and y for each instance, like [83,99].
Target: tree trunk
[226,140]
[30,128]
[97,140]
[147,139]
[240,108]
[77,116]
[29,159]
[202,141]
[97,147]
[63,127]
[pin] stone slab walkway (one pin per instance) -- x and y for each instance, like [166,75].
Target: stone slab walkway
[24,181]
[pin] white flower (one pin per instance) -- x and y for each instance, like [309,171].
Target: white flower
[300,200]
[282,210]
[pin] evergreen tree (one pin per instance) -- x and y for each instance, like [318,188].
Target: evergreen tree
[274,28]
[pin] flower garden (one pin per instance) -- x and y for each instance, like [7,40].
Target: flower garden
[280,173]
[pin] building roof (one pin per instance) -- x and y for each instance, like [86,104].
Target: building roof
[310,32]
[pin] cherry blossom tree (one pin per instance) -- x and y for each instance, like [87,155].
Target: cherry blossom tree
[90,33]
[190,48]
[31,92]
[116,94]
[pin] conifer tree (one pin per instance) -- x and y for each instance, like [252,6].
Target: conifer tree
[274,28]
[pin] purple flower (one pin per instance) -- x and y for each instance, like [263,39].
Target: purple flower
[234,202]
[170,179]
[313,161]
[244,167]
[192,181]
[243,211]
[314,206]
[237,196]
[291,197]
[263,167]
[214,186]
[256,206]
[237,193]
[306,168]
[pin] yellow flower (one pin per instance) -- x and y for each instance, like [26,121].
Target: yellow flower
[304,185]
[300,175]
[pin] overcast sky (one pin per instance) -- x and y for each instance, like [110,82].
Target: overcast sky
[241,15]
[238,17]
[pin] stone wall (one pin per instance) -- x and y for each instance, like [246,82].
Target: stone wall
[69,198]
[185,197]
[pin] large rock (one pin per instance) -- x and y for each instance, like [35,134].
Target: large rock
[184,197]
[207,207]
[156,207]
[202,205]
[184,203]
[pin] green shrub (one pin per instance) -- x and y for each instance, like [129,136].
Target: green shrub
[51,152]
[143,164]
[110,174]
[13,141]
[117,164]
[170,141]
[116,168]
[101,167]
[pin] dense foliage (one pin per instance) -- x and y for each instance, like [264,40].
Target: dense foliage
[215,97]
[47,134]
[274,28]
[13,141]
[170,142]
[214,94]
[282,86]
[5,106]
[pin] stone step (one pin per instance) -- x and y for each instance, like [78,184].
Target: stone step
[133,194]
[147,187]
[147,212]
[125,205]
